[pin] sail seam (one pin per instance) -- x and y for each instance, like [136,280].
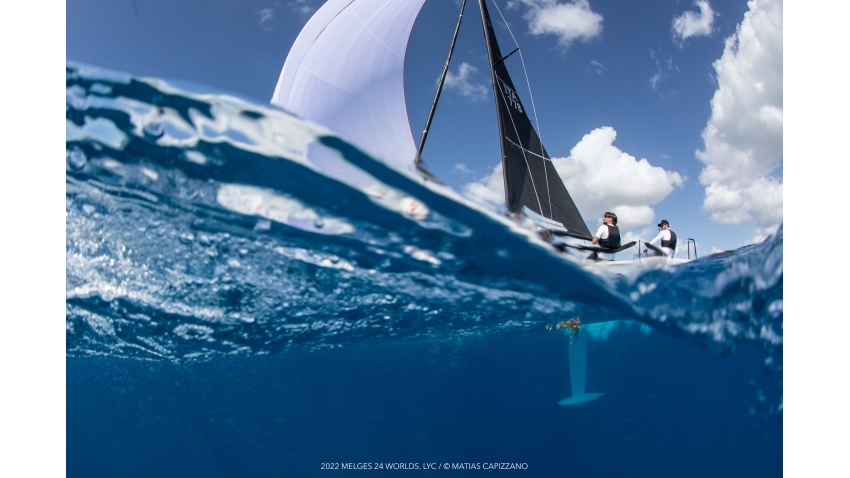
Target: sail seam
[365,27]
[289,80]
[528,150]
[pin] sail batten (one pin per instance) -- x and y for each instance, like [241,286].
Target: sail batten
[530,178]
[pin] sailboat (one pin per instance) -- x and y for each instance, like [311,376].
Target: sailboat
[345,71]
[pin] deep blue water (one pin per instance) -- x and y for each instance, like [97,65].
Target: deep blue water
[669,409]
[248,295]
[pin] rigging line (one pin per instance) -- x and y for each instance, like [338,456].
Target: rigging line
[542,17]
[533,108]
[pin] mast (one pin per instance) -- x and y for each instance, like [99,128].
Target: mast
[417,160]
[485,20]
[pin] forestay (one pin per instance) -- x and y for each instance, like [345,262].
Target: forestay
[345,71]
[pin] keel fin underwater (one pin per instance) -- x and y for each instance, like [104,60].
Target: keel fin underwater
[578,374]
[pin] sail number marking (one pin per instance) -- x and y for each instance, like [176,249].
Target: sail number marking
[511,96]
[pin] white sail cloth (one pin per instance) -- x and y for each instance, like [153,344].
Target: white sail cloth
[345,71]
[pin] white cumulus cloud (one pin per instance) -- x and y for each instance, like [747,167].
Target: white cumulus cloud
[762,234]
[462,167]
[462,82]
[743,137]
[602,178]
[691,24]
[570,21]
[488,191]
[599,178]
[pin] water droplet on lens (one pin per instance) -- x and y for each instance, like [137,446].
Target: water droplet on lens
[77,159]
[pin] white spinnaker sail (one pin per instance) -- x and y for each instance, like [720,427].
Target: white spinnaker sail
[345,71]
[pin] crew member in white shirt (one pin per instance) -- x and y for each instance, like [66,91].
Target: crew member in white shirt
[608,235]
[666,238]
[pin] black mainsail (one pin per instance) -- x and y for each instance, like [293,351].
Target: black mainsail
[531,180]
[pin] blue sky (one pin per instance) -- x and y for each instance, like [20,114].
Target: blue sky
[607,78]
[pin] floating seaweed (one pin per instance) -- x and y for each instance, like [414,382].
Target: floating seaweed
[573,325]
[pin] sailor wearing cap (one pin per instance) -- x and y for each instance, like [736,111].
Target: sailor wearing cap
[667,238]
[607,236]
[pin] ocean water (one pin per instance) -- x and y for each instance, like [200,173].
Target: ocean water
[249,295]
